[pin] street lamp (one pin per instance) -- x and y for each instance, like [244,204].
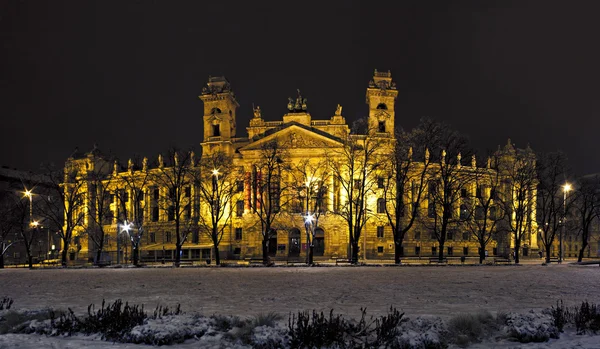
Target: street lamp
[125,227]
[29,193]
[308,219]
[566,189]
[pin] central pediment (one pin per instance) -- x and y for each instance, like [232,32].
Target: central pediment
[296,136]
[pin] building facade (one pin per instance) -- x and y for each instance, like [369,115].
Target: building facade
[314,144]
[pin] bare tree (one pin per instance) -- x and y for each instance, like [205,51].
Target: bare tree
[217,184]
[354,167]
[310,179]
[176,179]
[445,180]
[518,197]
[550,172]
[404,181]
[268,189]
[484,209]
[98,205]
[133,199]
[587,208]
[64,206]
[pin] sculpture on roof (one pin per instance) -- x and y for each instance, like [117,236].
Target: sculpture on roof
[338,110]
[299,106]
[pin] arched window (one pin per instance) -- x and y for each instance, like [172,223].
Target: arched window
[382,106]
[215,111]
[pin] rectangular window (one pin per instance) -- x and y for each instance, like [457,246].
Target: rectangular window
[494,194]
[418,250]
[140,196]
[216,130]
[431,210]
[478,192]
[379,249]
[156,194]
[168,236]
[417,235]
[465,251]
[380,182]
[237,250]
[152,236]
[380,205]
[450,252]
[171,213]
[239,208]
[380,232]
[187,213]
[433,250]
[239,186]
[238,233]
[195,237]
[381,126]
[463,193]
[188,192]
[155,214]
[357,184]
[465,236]
[449,235]
[495,251]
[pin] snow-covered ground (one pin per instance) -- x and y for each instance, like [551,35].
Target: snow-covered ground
[442,291]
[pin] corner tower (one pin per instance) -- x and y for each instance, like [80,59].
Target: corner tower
[381,98]
[219,116]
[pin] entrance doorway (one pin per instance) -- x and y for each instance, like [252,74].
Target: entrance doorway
[294,243]
[319,242]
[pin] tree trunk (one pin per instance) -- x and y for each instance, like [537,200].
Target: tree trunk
[136,254]
[63,256]
[265,251]
[441,253]
[311,249]
[547,248]
[30,260]
[177,256]
[217,256]
[354,252]
[583,246]
[397,251]
[98,256]
[481,252]
[1,260]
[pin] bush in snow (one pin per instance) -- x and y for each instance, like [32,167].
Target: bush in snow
[112,321]
[560,315]
[19,322]
[422,333]
[321,331]
[465,329]
[530,327]
[169,329]
[587,318]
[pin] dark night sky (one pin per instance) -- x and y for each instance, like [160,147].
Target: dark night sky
[126,74]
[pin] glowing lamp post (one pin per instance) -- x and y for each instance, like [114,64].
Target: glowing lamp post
[125,227]
[308,219]
[566,189]
[29,193]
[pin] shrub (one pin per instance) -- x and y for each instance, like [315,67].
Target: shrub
[159,312]
[472,328]
[268,319]
[18,322]
[6,303]
[318,331]
[587,318]
[560,315]
[112,321]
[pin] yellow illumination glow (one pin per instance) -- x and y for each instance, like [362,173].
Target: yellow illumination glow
[567,187]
